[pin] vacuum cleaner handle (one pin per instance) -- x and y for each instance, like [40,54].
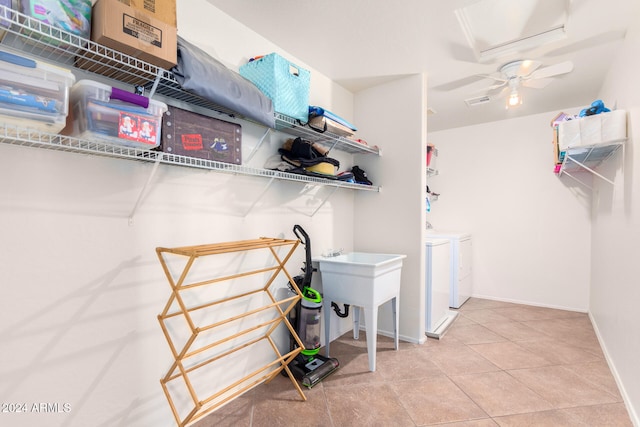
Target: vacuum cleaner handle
[297,229]
[308,268]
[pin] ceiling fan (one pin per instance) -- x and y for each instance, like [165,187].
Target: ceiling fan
[523,73]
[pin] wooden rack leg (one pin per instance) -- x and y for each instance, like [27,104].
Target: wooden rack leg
[285,365]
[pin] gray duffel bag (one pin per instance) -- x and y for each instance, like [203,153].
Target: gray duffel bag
[203,75]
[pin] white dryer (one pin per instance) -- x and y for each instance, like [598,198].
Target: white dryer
[460,265]
[438,317]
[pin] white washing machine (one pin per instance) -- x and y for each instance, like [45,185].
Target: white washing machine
[460,265]
[438,317]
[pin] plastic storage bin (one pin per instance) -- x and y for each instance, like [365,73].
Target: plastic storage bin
[600,128]
[33,94]
[72,16]
[108,114]
[286,84]
[5,13]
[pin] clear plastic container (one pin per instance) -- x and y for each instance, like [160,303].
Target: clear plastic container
[33,94]
[73,16]
[102,112]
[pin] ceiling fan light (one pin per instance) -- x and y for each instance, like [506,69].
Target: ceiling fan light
[514,99]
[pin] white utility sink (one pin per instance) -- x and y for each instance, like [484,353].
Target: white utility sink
[363,280]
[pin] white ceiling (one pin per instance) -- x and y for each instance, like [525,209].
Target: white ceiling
[360,43]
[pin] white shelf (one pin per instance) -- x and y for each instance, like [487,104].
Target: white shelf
[294,127]
[587,158]
[33,37]
[588,141]
[33,138]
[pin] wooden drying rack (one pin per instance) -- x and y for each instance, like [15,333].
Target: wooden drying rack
[178,370]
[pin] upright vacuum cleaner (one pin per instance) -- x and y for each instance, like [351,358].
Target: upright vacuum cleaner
[309,367]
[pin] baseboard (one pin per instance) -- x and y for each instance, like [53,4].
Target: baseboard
[633,414]
[442,329]
[533,304]
[401,337]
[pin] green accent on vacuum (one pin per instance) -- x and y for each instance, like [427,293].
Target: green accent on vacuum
[310,352]
[312,295]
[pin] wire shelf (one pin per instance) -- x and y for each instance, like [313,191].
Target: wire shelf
[592,156]
[294,127]
[26,137]
[33,37]
[587,159]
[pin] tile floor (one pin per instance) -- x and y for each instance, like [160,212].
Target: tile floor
[500,364]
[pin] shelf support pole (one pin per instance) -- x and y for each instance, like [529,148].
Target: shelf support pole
[255,149]
[156,82]
[260,196]
[334,143]
[589,169]
[577,180]
[324,201]
[144,188]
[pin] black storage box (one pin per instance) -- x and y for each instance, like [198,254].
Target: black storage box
[195,135]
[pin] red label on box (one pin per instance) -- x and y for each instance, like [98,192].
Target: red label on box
[192,141]
[137,128]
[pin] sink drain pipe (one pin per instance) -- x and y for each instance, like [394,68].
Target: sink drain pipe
[339,312]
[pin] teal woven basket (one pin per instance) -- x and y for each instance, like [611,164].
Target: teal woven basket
[286,84]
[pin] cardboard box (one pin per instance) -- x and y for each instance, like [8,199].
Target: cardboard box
[556,147]
[163,10]
[195,135]
[134,33]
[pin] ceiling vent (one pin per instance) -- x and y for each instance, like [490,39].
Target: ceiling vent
[479,100]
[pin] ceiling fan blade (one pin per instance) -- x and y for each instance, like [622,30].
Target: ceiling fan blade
[492,77]
[536,83]
[492,87]
[460,83]
[552,70]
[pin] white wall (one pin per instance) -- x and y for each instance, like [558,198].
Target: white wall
[233,44]
[82,288]
[392,116]
[616,227]
[530,230]
[546,241]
